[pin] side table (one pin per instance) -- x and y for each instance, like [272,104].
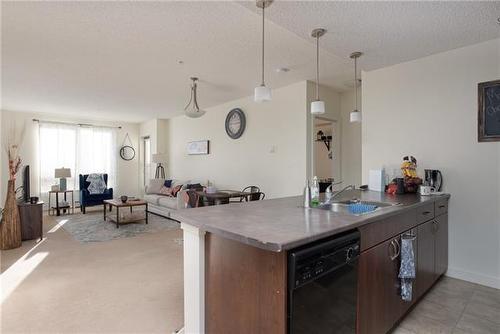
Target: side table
[66,205]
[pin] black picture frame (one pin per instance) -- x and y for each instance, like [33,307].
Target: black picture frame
[488,117]
[243,123]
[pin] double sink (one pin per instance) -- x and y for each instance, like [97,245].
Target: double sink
[344,206]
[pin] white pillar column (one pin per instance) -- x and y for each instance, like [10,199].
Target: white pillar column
[194,280]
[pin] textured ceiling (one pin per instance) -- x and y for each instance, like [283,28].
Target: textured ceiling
[119,60]
[389,32]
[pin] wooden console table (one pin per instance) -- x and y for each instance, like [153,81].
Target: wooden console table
[31,216]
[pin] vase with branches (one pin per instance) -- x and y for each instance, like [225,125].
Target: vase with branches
[10,225]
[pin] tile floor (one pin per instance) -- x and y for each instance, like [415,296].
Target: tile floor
[457,307]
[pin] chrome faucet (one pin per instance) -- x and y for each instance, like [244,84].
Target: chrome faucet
[330,196]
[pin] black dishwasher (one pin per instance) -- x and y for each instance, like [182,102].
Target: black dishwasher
[322,286]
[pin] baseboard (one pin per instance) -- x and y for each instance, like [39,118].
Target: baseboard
[491,281]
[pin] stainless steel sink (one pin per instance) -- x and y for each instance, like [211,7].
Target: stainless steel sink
[343,206]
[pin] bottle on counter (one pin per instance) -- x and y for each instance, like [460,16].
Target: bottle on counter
[315,192]
[307,195]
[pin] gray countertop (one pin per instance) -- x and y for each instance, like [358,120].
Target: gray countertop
[283,223]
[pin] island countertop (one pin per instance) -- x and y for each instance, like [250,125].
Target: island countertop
[283,223]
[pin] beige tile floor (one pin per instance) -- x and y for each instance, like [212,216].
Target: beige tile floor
[134,285]
[455,306]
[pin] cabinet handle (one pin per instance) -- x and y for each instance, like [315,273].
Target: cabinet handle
[392,250]
[442,206]
[425,213]
[398,252]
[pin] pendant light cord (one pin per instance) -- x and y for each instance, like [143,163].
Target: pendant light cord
[263,43]
[356,82]
[317,68]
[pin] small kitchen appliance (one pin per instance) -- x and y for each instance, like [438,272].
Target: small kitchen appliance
[434,178]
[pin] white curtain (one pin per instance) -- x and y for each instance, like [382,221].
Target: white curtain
[96,152]
[83,149]
[57,150]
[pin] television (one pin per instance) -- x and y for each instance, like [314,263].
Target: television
[26,184]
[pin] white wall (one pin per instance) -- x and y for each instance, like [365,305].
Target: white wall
[271,153]
[351,140]
[127,181]
[428,108]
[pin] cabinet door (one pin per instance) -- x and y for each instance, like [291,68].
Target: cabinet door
[379,302]
[441,245]
[426,257]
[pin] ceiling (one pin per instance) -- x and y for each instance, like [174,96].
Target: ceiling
[120,60]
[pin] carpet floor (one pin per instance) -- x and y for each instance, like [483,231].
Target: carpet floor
[60,285]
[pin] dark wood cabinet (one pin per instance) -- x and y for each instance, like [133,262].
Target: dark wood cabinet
[379,301]
[380,305]
[31,217]
[441,245]
[245,288]
[426,257]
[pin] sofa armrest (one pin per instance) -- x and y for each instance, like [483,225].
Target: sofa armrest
[181,199]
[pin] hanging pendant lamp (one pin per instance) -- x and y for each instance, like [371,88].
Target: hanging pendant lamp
[263,93]
[192,109]
[317,106]
[355,115]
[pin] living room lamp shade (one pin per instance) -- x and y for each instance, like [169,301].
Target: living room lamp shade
[262,93]
[60,173]
[317,106]
[159,158]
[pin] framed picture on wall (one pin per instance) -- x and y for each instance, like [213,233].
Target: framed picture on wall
[488,125]
[198,147]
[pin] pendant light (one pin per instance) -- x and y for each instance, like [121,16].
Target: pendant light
[317,106]
[355,116]
[192,109]
[263,93]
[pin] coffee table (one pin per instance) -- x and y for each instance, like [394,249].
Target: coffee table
[132,217]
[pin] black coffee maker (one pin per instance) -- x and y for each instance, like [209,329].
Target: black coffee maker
[433,178]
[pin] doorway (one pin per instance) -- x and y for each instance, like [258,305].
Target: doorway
[326,146]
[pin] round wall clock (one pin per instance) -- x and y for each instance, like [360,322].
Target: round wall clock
[235,123]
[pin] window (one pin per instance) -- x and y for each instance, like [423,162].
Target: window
[146,158]
[84,149]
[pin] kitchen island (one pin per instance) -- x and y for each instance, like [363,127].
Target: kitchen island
[235,258]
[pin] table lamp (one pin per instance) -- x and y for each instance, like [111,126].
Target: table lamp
[159,159]
[62,174]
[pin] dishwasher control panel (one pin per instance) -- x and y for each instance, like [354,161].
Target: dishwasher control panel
[308,264]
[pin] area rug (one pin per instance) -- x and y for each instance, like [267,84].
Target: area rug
[91,227]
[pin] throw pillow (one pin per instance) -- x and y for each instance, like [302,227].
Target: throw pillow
[154,186]
[97,184]
[195,186]
[176,189]
[167,191]
[168,183]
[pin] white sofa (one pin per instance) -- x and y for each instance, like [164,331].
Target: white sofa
[163,205]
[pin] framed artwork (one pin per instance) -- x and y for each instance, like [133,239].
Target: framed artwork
[198,147]
[488,124]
